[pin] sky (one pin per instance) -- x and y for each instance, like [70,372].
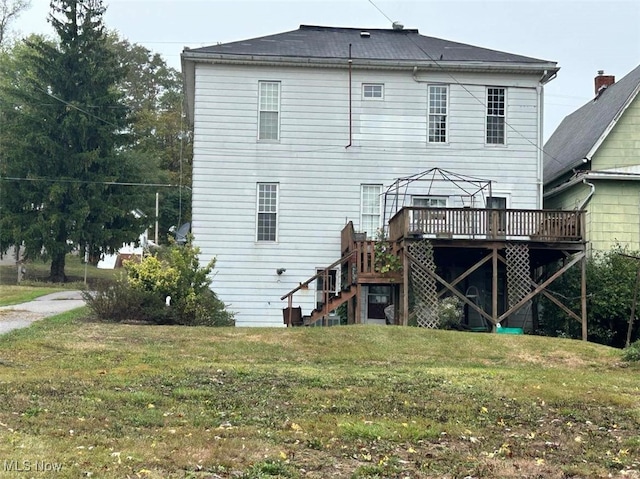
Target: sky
[582,36]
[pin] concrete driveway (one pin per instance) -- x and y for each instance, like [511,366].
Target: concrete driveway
[22,315]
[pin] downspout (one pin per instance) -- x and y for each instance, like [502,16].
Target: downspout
[589,196]
[350,101]
[540,162]
[546,78]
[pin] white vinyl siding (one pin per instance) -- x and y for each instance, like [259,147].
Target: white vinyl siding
[373,91]
[370,209]
[267,212]
[269,111]
[496,112]
[319,180]
[438,99]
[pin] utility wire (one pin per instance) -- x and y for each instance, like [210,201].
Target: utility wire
[85,182]
[457,82]
[378,8]
[77,108]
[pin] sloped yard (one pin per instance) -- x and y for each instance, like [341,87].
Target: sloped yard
[115,401]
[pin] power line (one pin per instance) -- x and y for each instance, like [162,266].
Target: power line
[77,108]
[457,82]
[377,8]
[87,182]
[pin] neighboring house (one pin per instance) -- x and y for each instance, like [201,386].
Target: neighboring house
[302,135]
[592,162]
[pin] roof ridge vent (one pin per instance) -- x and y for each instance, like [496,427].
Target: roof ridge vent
[364,34]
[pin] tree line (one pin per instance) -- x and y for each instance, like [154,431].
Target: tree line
[91,128]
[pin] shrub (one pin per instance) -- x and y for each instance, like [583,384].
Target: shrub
[632,352]
[449,313]
[170,274]
[611,278]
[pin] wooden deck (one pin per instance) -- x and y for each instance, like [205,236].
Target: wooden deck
[487,224]
[465,240]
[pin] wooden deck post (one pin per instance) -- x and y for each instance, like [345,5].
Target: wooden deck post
[405,286]
[583,295]
[494,291]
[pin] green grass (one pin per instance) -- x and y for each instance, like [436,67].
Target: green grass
[21,294]
[354,402]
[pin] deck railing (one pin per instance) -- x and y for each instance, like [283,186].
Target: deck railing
[482,223]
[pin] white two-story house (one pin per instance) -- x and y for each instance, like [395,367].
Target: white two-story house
[301,133]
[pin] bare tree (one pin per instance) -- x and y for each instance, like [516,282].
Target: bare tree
[9,11]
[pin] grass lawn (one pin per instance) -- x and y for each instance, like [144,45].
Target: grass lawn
[115,401]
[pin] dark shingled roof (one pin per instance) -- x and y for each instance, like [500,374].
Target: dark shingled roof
[579,132]
[381,44]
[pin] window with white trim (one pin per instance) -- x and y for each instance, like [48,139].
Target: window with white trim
[370,209]
[267,212]
[431,202]
[269,110]
[496,116]
[438,113]
[373,91]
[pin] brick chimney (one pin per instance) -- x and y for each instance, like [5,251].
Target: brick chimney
[603,80]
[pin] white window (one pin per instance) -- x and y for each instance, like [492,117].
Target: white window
[431,202]
[372,91]
[438,113]
[496,116]
[370,209]
[267,212]
[269,110]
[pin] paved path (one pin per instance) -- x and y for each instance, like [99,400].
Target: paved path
[22,315]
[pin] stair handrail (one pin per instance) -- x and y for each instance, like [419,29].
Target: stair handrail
[318,274]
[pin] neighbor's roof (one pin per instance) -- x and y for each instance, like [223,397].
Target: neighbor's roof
[381,44]
[580,133]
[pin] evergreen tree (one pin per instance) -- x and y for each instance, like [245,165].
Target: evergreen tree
[153,90]
[65,137]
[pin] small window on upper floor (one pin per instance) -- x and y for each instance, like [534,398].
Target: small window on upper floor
[373,91]
[437,113]
[269,110]
[496,114]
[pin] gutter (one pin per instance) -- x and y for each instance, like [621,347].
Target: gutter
[507,67]
[591,175]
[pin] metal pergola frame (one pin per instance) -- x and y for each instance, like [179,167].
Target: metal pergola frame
[470,187]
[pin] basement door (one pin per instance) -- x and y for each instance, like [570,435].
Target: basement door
[378,298]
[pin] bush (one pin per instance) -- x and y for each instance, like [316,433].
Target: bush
[449,313]
[611,278]
[172,274]
[632,352]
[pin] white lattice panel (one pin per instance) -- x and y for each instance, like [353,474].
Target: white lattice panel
[424,285]
[518,267]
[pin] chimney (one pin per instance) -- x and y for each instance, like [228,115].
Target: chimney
[603,81]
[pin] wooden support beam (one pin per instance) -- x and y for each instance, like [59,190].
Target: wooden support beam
[468,272]
[548,295]
[494,289]
[451,288]
[557,302]
[543,286]
[632,317]
[583,294]
[405,287]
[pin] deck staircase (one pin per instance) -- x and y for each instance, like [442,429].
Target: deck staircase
[356,267]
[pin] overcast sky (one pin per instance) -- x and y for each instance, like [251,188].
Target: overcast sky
[583,36]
